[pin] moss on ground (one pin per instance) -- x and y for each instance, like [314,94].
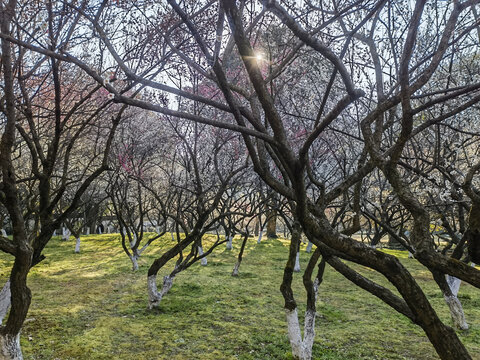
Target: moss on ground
[92,306]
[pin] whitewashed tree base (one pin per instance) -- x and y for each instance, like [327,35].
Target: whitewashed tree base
[155,297]
[134,260]
[10,347]
[456,311]
[260,234]
[454,304]
[235,269]
[5,300]
[77,246]
[203,261]
[229,243]
[301,348]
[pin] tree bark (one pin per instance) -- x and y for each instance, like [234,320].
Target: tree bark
[203,261]
[260,234]
[77,245]
[10,347]
[155,297]
[240,256]
[272,226]
[134,259]
[309,247]
[5,298]
[229,242]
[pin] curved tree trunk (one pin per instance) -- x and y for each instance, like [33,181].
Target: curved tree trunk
[240,256]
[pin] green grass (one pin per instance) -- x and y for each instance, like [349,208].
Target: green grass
[92,306]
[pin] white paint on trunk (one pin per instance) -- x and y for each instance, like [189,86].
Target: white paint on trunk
[203,261]
[4,233]
[301,349]
[154,297]
[455,306]
[65,234]
[309,247]
[157,229]
[77,246]
[294,333]
[54,233]
[454,284]
[134,259]
[235,269]
[173,237]
[260,234]
[88,231]
[308,334]
[229,243]
[297,262]
[10,347]
[456,311]
[5,300]
[410,255]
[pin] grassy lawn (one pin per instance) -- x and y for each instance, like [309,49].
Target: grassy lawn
[92,306]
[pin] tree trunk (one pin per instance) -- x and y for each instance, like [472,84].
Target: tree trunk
[5,298]
[240,256]
[454,304]
[229,242]
[155,297]
[203,261]
[308,334]
[77,246]
[309,247]
[235,269]
[4,233]
[65,234]
[296,268]
[272,226]
[294,333]
[134,259]
[260,234]
[10,347]
[296,239]
[301,349]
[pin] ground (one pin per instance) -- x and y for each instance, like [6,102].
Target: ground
[92,306]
